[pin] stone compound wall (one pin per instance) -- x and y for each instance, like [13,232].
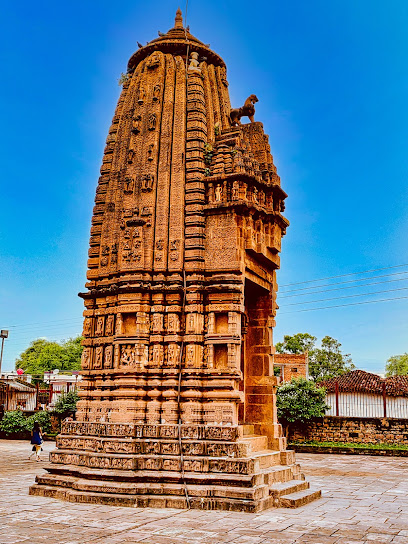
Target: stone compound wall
[353,429]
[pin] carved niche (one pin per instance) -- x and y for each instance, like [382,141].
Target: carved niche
[152,121]
[99,326]
[109,328]
[108,357]
[147,183]
[154,61]
[98,357]
[86,358]
[156,93]
[88,327]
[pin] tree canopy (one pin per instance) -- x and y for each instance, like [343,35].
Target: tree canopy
[300,400]
[44,356]
[326,361]
[397,365]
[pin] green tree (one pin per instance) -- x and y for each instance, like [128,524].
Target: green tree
[328,361]
[66,403]
[299,401]
[397,365]
[325,362]
[298,343]
[44,356]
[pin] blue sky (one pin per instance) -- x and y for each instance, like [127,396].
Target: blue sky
[332,82]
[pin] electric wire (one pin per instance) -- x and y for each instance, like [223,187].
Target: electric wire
[346,296]
[343,305]
[340,288]
[344,275]
[344,282]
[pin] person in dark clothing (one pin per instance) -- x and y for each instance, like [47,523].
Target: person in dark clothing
[36,440]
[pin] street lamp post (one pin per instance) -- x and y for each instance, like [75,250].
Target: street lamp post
[3,335]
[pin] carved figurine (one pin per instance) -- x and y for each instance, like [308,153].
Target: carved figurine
[154,61]
[218,193]
[152,121]
[247,110]
[150,152]
[142,95]
[235,190]
[194,65]
[136,123]
[147,182]
[128,186]
[156,93]
[131,156]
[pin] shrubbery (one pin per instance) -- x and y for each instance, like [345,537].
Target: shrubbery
[16,423]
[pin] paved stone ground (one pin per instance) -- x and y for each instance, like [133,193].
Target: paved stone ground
[365,500]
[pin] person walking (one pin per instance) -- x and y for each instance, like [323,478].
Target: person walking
[36,440]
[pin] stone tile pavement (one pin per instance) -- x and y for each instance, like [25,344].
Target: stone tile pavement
[365,500]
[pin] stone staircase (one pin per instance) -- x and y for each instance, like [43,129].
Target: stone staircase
[250,478]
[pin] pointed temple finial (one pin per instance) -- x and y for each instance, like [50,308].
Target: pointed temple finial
[178,22]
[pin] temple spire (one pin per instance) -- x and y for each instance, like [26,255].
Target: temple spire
[178,22]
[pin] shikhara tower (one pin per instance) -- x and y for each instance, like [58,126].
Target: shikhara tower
[178,404]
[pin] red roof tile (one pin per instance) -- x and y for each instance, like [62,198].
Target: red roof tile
[359,381]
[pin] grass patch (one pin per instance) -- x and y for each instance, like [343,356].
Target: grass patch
[380,446]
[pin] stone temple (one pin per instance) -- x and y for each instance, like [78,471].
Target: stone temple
[177,407]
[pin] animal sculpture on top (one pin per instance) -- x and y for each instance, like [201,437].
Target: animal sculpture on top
[247,110]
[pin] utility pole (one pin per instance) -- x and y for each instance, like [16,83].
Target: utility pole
[3,335]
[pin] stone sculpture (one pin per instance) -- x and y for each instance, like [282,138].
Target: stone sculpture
[248,109]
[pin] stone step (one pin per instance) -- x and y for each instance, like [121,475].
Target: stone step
[300,498]
[279,473]
[286,488]
[254,442]
[225,479]
[267,458]
[153,501]
[248,429]
[148,488]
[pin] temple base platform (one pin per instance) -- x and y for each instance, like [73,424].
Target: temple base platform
[171,466]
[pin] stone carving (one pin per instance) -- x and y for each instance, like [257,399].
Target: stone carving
[109,327]
[128,186]
[141,95]
[150,152]
[114,253]
[173,323]
[235,190]
[154,61]
[147,182]
[98,357]
[218,193]
[131,155]
[87,327]
[105,256]
[157,322]
[127,357]
[99,326]
[136,124]
[108,357]
[173,355]
[247,110]
[194,65]
[86,358]
[152,121]
[156,93]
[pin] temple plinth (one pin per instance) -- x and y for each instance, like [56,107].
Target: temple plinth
[177,403]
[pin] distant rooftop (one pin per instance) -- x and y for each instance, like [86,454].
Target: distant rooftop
[360,381]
